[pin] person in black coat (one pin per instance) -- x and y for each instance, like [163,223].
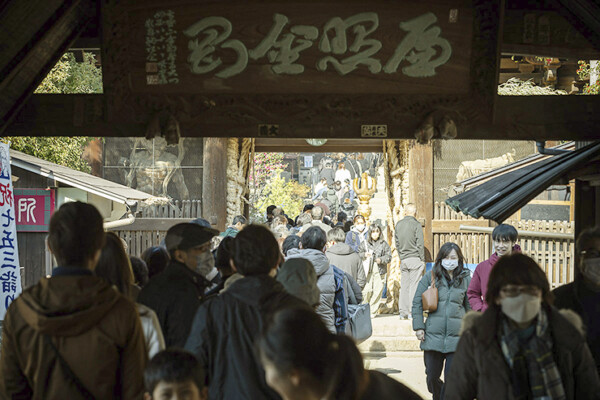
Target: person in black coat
[583,294]
[225,326]
[176,293]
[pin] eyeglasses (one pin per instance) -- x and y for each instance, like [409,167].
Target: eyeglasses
[593,253]
[202,248]
[514,291]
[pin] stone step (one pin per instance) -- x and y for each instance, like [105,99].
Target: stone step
[377,355]
[390,344]
[390,334]
[391,325]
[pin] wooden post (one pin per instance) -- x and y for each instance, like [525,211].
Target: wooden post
[421,190]
[214,182]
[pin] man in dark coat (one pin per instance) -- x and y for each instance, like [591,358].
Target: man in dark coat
[225,326]
[176,293]
[583,294]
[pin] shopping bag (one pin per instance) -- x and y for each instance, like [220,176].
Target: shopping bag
[360,321]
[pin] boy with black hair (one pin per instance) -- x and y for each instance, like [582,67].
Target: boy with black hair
[238,223]
[175,374]
[504,238]
[225,326]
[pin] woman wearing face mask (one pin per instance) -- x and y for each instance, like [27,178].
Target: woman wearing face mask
[521,347]
[440,333]
[583,295]
[378,255]
[357,234]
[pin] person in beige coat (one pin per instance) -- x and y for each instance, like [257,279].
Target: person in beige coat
[521,347]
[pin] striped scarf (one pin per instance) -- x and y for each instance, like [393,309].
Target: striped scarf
[534,374]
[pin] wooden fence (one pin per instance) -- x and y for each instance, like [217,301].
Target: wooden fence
[138,241]
[150,229]
[555,256]
[177,209]
[146,232]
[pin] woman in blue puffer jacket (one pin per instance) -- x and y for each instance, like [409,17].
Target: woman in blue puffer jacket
[439,334]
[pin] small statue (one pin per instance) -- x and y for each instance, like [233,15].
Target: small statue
[153,168]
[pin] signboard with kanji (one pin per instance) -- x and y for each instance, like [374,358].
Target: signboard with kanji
[34,207]
[10,274]
[289,47]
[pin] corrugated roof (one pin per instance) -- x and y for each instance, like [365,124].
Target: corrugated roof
[90,183]
[500,197]
[476,180]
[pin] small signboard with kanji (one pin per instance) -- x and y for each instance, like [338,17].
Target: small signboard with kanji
[10,274]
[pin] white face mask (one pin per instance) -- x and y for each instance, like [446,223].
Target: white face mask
[522,308]
[205,263]
[450,265]
[591,270]
[360,227]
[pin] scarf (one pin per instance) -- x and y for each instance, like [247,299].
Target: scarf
[534,373]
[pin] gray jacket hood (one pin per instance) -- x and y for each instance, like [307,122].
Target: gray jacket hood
[340,249]
[316,257]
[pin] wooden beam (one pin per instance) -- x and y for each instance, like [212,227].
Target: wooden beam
[452,226]
[516,118]
[25,66]
[332,145]
[214,182]
[421,190]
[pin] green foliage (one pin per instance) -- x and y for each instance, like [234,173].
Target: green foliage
[289,196]
[67,77]
[70,77]
[65,151]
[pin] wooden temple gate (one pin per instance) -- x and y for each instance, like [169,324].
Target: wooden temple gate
[353,71]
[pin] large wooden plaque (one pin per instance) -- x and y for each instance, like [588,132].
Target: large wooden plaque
[279,68]
[291,47]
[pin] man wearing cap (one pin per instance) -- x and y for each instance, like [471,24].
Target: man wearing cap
[176,293]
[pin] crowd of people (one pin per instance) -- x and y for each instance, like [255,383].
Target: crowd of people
[263,312]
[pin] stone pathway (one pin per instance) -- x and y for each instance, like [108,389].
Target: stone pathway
[394,350]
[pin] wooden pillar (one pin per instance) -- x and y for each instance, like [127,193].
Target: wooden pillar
[421,190]
[587,205]
[214,182]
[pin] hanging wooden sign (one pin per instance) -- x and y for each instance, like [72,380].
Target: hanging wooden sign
[287,47]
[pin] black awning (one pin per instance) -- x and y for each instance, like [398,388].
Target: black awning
[499,198]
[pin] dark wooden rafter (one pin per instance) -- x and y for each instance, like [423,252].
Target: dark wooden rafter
[35,34]
[517,118]
[584,15]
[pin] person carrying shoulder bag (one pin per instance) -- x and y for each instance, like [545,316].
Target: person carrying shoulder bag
[439,334]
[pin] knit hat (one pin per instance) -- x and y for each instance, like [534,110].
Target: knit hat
[298,277]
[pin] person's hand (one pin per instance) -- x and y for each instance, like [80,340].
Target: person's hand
[378,260]
[420,333]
